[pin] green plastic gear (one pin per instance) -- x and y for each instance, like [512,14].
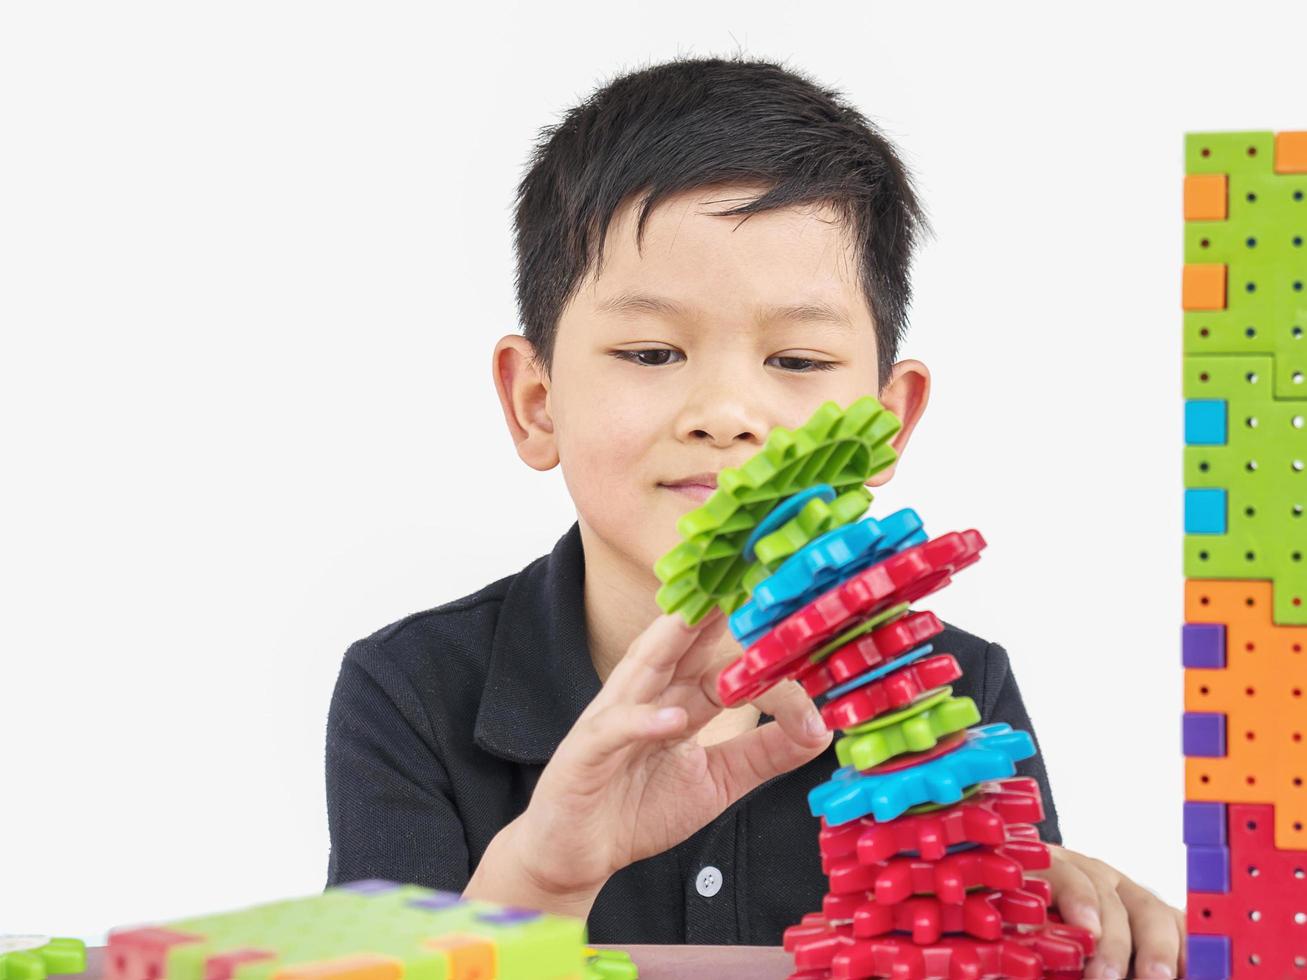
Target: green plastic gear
[916,728]
[840,447]
[37,957]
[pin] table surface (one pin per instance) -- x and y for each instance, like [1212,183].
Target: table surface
[655,962]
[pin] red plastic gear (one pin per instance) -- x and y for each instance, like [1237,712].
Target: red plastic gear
[950,877]
[891,692]
[982,914]
[903,577]
[822,950]
[979,819]
[879,646]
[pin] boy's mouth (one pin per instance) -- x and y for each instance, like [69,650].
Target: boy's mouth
[699,486]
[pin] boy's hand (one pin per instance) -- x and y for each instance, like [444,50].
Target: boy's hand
[1121,914]
[630,780]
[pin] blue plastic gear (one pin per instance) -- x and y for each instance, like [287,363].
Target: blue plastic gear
[820,565]
[876,673]
[782,512]
[989,752]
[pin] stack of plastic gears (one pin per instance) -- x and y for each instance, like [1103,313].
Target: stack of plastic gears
[366,930]
[925,837]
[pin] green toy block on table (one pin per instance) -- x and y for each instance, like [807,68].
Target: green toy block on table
[365,930]
[38,957]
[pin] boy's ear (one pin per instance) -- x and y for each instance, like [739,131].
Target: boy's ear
[524,396]
[905,394]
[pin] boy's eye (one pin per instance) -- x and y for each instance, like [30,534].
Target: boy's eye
[649,357]
[660,356]
[803,365]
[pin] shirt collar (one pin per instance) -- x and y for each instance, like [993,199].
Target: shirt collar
[540,676]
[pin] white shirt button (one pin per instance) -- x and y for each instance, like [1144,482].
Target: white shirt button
[709,882]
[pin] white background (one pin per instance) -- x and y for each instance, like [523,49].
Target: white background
[254,256]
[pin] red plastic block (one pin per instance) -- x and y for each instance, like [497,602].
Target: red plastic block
[950,877]
[981,914]
[891,692]
[860,655]
[1265,911]
[980,819]
[903,577]
[134,954]
[1051,951]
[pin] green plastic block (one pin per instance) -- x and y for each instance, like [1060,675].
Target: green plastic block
[36,957]
[402,922]
[840,447]
[1229,153]
[610,964]
[1263,469]
[915,728]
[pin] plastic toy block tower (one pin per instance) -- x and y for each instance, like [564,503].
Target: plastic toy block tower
[1245,524]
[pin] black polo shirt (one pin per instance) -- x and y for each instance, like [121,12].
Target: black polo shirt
[441,723]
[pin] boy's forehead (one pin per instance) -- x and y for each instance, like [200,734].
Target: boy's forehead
[787,259]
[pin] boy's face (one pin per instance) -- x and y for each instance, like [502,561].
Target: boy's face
[679,359]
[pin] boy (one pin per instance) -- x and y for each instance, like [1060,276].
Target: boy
[553,741]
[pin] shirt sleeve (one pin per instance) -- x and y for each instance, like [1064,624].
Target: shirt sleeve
[1002,703]
[390,807]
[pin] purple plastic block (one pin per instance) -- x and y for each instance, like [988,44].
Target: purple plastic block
[1204,734]
[1209,869]
[1204,823]
[370,886]
[508,916]
[439,900]
[1203,644]
[1209,957]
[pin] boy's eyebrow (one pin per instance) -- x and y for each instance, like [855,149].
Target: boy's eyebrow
[811,311]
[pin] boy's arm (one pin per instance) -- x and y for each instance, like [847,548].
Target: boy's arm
[1001,701]
[390,811]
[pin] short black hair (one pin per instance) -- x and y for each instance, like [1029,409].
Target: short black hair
[695,122]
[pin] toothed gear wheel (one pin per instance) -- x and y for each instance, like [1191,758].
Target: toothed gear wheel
[840,447]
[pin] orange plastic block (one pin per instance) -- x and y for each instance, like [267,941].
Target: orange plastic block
[1206,197]
[470,957]
[1262,691]
[1203,287]
[1291,153]
[364,966]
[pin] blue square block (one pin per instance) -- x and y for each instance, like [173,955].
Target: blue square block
[1205,823]
[1204,511]
[1203,645]
[1209,957]
[1204,735]
[1208,869]
[1204,423]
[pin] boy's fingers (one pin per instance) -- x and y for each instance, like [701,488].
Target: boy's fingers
[1156,930]
[794,711]
[594,742]
[749,760]
[1112,957]
[1074,894]
[651,661]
